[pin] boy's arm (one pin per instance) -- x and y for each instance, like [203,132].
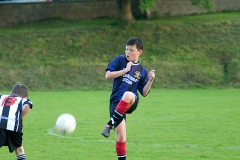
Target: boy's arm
[25,109]
[147,87]
[114,74]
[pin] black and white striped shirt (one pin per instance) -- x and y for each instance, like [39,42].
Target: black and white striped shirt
[10,112]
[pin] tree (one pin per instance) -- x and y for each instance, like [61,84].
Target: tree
[207,4]
[125,13]
[146,6]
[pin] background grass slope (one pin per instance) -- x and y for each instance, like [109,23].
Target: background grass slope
[186,52]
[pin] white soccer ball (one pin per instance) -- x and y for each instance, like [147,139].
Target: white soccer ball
[66,123]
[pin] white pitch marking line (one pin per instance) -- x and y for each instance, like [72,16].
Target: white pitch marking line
[51,132]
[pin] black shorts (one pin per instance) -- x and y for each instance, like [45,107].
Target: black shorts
[132,108]
[11,139]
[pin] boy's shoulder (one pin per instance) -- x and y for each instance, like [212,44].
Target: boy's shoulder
[121,57]
[4,95]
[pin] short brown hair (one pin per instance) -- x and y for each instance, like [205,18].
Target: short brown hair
[20,90]
[135,41]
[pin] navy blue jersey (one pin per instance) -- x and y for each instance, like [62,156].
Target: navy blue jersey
[133,81]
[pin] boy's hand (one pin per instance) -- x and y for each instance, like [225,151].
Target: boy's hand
[151,75]
[128,67]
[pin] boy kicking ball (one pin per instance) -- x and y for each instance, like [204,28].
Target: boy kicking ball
[129,77]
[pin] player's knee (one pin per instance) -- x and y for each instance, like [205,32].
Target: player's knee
[128,96]
[19,151]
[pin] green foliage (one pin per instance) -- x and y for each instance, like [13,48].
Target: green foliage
[146,5]
[185,124]
[207,4]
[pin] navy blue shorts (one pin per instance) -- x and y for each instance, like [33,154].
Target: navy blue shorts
[132,108]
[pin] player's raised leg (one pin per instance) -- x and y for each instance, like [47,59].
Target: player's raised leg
[123,105]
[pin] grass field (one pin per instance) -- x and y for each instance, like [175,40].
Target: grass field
[168,125]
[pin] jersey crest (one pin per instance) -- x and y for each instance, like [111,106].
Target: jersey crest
[137,74]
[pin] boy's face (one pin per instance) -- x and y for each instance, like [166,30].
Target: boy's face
[132,53]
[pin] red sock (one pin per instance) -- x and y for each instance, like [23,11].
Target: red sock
[121,148]
[122,106]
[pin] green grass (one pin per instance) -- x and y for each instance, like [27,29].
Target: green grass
[168,125]
[185,51]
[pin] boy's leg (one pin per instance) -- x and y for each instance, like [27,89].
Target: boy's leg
[118,113]
[107,129]
[14,142]
[20,153]
[121,140]
[127,100]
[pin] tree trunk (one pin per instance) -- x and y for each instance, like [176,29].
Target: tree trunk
[125,13]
